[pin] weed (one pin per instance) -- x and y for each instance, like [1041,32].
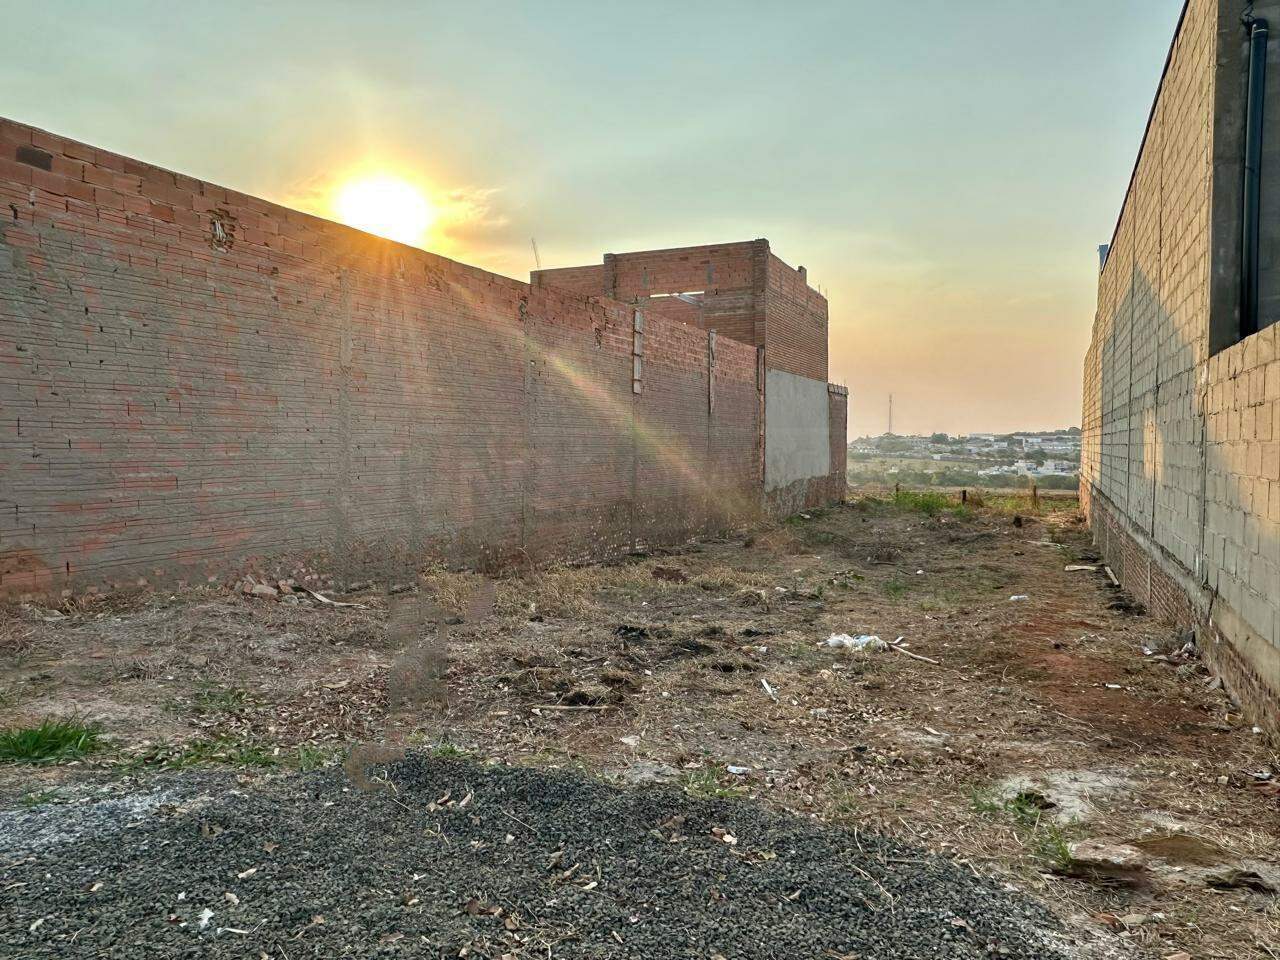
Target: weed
[986,802]
[1044,840]
[1026,807]
[846,806]
[310,758]
[1050,843]
[896,587]
[39,798]
[449,751]
[704,785]
[219,751]
[211,698]
[52,741]
[928,503]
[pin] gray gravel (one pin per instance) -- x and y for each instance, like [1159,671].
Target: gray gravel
[493,862]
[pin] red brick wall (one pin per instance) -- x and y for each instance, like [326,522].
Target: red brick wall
[796,323]
[585,280]
[177,402]
[725,274]
[745,293]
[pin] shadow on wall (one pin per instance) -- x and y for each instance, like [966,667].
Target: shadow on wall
[1181,484]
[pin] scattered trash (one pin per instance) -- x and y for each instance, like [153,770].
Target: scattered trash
[1077,567]
[863,641]
[898,647]
[738,771]
[205,916]
[1020,596]
[334,603]
[769,690]
[1115,582]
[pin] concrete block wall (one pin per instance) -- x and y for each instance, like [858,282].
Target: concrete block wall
[193,381]
[1179,471]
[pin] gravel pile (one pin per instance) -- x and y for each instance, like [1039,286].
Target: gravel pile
[461,860]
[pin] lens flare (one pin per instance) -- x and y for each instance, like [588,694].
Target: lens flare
[386,205]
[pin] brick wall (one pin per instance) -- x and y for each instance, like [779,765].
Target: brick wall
[193,380]
[796,322]
[740,290]
[588,281]
[1180,469]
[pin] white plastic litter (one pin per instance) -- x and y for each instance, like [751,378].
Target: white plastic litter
[863,641]
[738,771]
[1020,596]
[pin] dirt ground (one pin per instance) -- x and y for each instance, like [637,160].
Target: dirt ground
[1024,708]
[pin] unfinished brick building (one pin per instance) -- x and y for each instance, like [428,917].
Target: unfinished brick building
[741,290]
[195,382]
[1181,447]
[744,292]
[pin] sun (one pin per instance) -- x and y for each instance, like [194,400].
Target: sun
[386,205]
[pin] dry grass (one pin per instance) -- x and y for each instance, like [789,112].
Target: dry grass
[604,667]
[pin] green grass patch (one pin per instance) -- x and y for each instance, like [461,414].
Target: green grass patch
[53,740]
[705,785]
[1044,840]
[308,758]
[1050,843]
[38,798]
[449,751]
[926,502]
[896,586]
[211,698]
[220,751]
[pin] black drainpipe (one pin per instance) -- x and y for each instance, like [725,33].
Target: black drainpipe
[1252,175]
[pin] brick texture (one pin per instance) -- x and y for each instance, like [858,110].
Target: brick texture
[193,380]
[1180,470]
[740,290]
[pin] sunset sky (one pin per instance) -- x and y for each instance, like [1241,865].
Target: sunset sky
[944,169]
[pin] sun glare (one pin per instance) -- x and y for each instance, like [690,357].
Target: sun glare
[386,205]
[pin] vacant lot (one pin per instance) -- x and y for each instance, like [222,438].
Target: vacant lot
[1023,708]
